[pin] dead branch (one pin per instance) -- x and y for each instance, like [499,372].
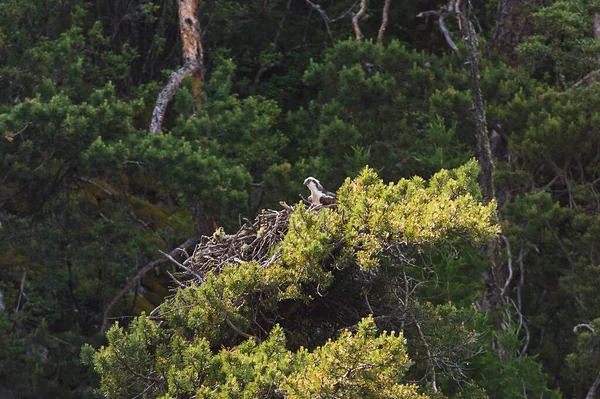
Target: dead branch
[592,391]
[429,355]
[452,7]
[181,266]
[193,55]
[21,290]
[483,140]
[167,94]
[356,19]
[137,278]
[509,263]
[384,21]
[240,332]
[325,18]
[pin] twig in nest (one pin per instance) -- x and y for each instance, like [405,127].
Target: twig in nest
[254,242]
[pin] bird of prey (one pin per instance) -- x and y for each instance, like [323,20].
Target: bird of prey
[318,195]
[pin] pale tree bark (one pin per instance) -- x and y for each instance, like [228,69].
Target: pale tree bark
[593,388]
[513,24]
[193,57]
[356,19]
[441,16]
[483,139]
[384,21]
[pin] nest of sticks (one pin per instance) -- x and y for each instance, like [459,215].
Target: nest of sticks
[254,241]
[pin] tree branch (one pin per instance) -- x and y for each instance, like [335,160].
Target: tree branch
[187,269]
[356,19]
[240,332]
[21,290]
[429,355]
[324,16]
[167,94]
[384,21]
[592,391]
[451,7]
[193,55]
[137,278]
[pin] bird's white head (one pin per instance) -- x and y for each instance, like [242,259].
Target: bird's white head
[310,180]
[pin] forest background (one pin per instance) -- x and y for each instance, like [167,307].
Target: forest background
[289,89]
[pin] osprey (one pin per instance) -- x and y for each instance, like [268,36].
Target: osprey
[318,195]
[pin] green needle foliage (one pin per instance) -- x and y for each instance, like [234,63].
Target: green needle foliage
[365,243]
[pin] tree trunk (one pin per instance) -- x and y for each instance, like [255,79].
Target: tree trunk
[512,26]
[356,19]
[496,278]
[384,21]
[193,56]
[483,141]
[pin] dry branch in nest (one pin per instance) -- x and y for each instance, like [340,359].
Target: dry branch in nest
[254,241]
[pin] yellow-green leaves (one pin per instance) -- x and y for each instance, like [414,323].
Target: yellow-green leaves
[373,216]
[361,365]
[373,228]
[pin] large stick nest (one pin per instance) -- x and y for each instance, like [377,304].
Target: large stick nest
[254,241]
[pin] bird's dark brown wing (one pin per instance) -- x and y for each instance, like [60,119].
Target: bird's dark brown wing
[328,198]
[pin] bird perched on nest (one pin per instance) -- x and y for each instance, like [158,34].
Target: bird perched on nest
[318,195]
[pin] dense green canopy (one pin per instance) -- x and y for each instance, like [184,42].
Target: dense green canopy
[88,198]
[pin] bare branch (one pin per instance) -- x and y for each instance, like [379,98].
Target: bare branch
[193,55]
[274,258]
[441,16]
[446,32]
[167,94]
[190,271]
[356,19]
[240,332]
[326,19]
[384,21]
[137,278]
[21,290]
[265,67]
[592,391]
[519,306]
[429,355]
[483,141]
[509,262]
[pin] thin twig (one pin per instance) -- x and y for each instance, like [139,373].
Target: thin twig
[429,355]
[187,269]
[325,18]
